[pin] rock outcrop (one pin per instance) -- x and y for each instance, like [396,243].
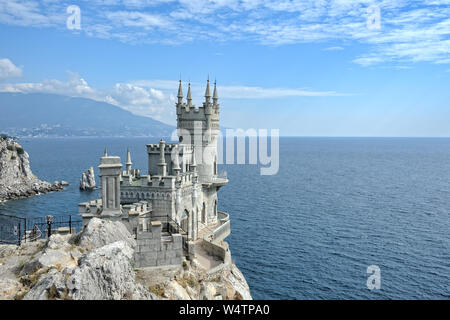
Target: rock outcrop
[87,181]
[16,178]
[100,232]
[97,264]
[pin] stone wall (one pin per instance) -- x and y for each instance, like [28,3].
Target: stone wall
[219,250]
[155,248]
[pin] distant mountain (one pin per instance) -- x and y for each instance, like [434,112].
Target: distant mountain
[41,114]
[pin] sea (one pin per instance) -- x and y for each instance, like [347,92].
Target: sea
[336,207]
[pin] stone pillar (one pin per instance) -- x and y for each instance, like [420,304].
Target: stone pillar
[110,168]
[162,158]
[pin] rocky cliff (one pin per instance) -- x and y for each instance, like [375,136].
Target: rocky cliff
[98,264]
[16,178]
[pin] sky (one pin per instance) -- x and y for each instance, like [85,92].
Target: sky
[307,68]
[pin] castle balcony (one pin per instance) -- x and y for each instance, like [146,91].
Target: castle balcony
[216,181]
[218,231]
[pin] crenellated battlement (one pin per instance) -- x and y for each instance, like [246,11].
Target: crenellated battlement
[155,147]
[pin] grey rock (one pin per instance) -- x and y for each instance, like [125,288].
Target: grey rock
[87,181]
[100,232]
[47,259]
[105,273]
[51,285]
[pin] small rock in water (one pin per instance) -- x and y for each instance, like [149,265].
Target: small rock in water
[87,181]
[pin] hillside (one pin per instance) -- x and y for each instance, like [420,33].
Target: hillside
[40,114]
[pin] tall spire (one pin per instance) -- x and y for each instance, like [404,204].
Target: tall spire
[207,92]
[180,93]
[189,96]
[215,95]
[128,163]
[128,157]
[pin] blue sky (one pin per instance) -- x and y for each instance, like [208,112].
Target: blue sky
[309,68]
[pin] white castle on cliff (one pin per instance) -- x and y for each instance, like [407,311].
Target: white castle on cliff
[171,210]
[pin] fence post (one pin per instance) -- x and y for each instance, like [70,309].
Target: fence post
[18,232]
[70,224]
[25,229]
[49,225]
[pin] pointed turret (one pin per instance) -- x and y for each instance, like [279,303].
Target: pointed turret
[180,93]
[128,163]
[215,95]
[207,92]
[189,95]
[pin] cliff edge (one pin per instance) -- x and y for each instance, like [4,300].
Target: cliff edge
[99,265]
[16,178]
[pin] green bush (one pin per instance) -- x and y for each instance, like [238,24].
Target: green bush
[20,150]
[10,148]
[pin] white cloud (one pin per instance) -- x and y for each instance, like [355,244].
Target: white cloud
[153,98]
[9,70]
[405,24]
[147,102]
[334,48]
[235,92]
[137,19]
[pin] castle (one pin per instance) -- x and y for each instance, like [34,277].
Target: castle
[172,209]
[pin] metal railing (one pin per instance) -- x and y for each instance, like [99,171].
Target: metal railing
[15,230]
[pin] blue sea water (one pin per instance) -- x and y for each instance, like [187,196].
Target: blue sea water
[336,206]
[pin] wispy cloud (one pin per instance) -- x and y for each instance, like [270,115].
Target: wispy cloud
[237,92]
[334,49]
[153,98]
[410,30]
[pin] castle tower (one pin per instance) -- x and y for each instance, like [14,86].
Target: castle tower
[199,128]
[110,169]
[128,163]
